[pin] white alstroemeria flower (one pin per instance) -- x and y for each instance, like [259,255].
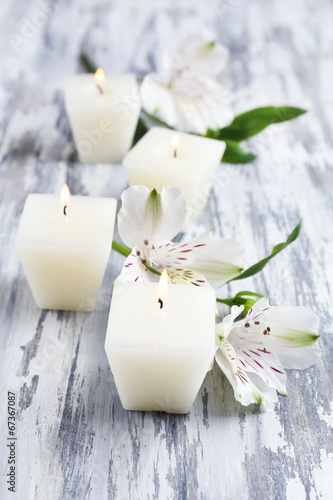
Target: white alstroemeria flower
[148,221]
[185,92]
[253,352]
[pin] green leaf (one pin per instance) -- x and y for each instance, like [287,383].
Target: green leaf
[235,154]
[241,299]
[87,63]
[140,131]
[254,121]
[278,248]
[249,294]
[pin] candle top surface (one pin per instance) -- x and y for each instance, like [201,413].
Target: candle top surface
[155,152]
[186,323]
[82,91]
[89,221]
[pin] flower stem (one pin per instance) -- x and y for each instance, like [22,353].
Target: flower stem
[125,251]
[152,270]
[156,119]
[118,247]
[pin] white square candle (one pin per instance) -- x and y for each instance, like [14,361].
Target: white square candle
[159,357]
[64,256]
[156,161]
[103,124]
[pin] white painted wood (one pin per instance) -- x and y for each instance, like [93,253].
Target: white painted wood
[74,439]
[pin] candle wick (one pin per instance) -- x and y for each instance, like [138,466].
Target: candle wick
[175,153]
[160,301]
[65,208]
[100,89]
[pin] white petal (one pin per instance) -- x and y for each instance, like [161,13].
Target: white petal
[133,269]
[173,213]
[136,225]
[270,396]
[223,329]
[201,55]
[257,358]
[299,358]
[245,391]
[203,103]
[290,331]
[159,100]
[258,308]
[219,261]
[176,255]
[292,326]
[131,215]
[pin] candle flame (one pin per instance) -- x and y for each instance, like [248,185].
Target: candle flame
[175,143]
[64,198]
[162,289]
[100,78]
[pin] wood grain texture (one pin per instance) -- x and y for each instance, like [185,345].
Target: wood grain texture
[75,441]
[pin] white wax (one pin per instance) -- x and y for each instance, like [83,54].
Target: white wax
[103,126]
[159,357]
[151,163]
[64,257]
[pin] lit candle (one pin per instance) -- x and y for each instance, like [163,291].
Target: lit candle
[103,112]
[162,289]
[64,248]
[175,145]
[64,199]
[160,344]
[100,80]
[189,162]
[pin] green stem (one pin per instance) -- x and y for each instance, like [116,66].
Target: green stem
[223,301]
[156,120]
[152,270]
[232,301]
[125,251]
[118,247]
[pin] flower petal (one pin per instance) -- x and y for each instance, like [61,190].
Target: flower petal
[301,358]
[220,261]
[133,269]
[157,99]
[255,357]
[177,253]
[185,93]
[257,309]
[245,391]
[202,103]
[292,326]
[223,329]
[293,333]
[199,54]
[142,225]
[290,331]
[177,258]
[270,396]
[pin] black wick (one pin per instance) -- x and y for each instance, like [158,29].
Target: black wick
[65,208]
[101,91]
[175,153]
[160,301]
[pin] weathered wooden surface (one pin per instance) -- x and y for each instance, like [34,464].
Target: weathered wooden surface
[74,439]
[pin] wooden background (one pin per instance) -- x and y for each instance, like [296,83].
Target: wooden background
[75,441]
